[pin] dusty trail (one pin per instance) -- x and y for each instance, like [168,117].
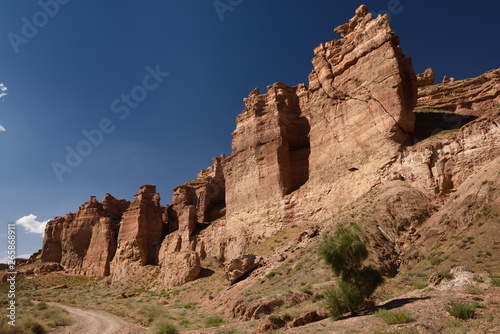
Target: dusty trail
[95,322]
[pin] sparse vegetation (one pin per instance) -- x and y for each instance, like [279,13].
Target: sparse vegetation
[462,311]
[396,331]
[394,317]
[214,322]
[345,253]
[495,282]
[473,289]
[227,331]
[163,326]
[36,318]
[434,258]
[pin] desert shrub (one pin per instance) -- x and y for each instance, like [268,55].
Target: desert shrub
[462,311]
[495,282]
[31,325]
[394,317]
[214,322]
[306,289]
[345,253]
[163,326]
[152,312]
[184,323]
[42,306]
[227,331]
[55,316]
[472,289]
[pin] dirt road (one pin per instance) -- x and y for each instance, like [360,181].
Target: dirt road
[96,322]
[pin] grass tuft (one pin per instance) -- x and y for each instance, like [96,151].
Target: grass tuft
[163,326]
[394,317]
[214,322]
[462,311]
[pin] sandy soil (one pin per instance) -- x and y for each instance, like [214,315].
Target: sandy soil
[95,322]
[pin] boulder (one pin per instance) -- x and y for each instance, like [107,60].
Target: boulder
[241,266]
[427,78]
[308,317]
[179,268]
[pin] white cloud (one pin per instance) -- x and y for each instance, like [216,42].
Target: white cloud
[2,129]
[3,90]
[31,225]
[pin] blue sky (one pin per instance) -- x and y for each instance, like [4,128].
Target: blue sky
[73,72]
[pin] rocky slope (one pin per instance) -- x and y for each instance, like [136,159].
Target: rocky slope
[299,156]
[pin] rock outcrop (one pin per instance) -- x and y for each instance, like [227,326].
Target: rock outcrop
[179,268]
[473,96]
[299,155]
[141,233]
[241,266]
[85,242]
[427,78]
[355,116]
[440,164]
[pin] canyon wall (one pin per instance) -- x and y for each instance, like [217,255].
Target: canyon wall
[299,155]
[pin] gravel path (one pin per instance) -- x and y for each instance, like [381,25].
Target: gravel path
[95,322]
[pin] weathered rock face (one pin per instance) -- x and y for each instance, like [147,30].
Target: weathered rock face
[102,248]
[77,232]
[467,202]
[179,268]
[269,159]
[52,250]
[296,149]
[85,242]
[427,78]
[473,96]
[241,266]
[141,233]
[439,164]
[299,155]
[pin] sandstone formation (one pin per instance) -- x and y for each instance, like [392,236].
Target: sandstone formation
[85,242]
[426,79]
[141,233]
[355,116]
[473,96]
[179,268]
[241,266]
[439,165]
[299,155]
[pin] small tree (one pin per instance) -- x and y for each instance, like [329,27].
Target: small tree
[345,253]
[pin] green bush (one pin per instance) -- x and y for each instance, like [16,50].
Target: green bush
[462,311]
[394,317]
[345,253]
[163,326]
[214,322]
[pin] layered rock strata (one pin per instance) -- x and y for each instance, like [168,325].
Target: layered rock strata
[302,153]
[299,155]
[85,242]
